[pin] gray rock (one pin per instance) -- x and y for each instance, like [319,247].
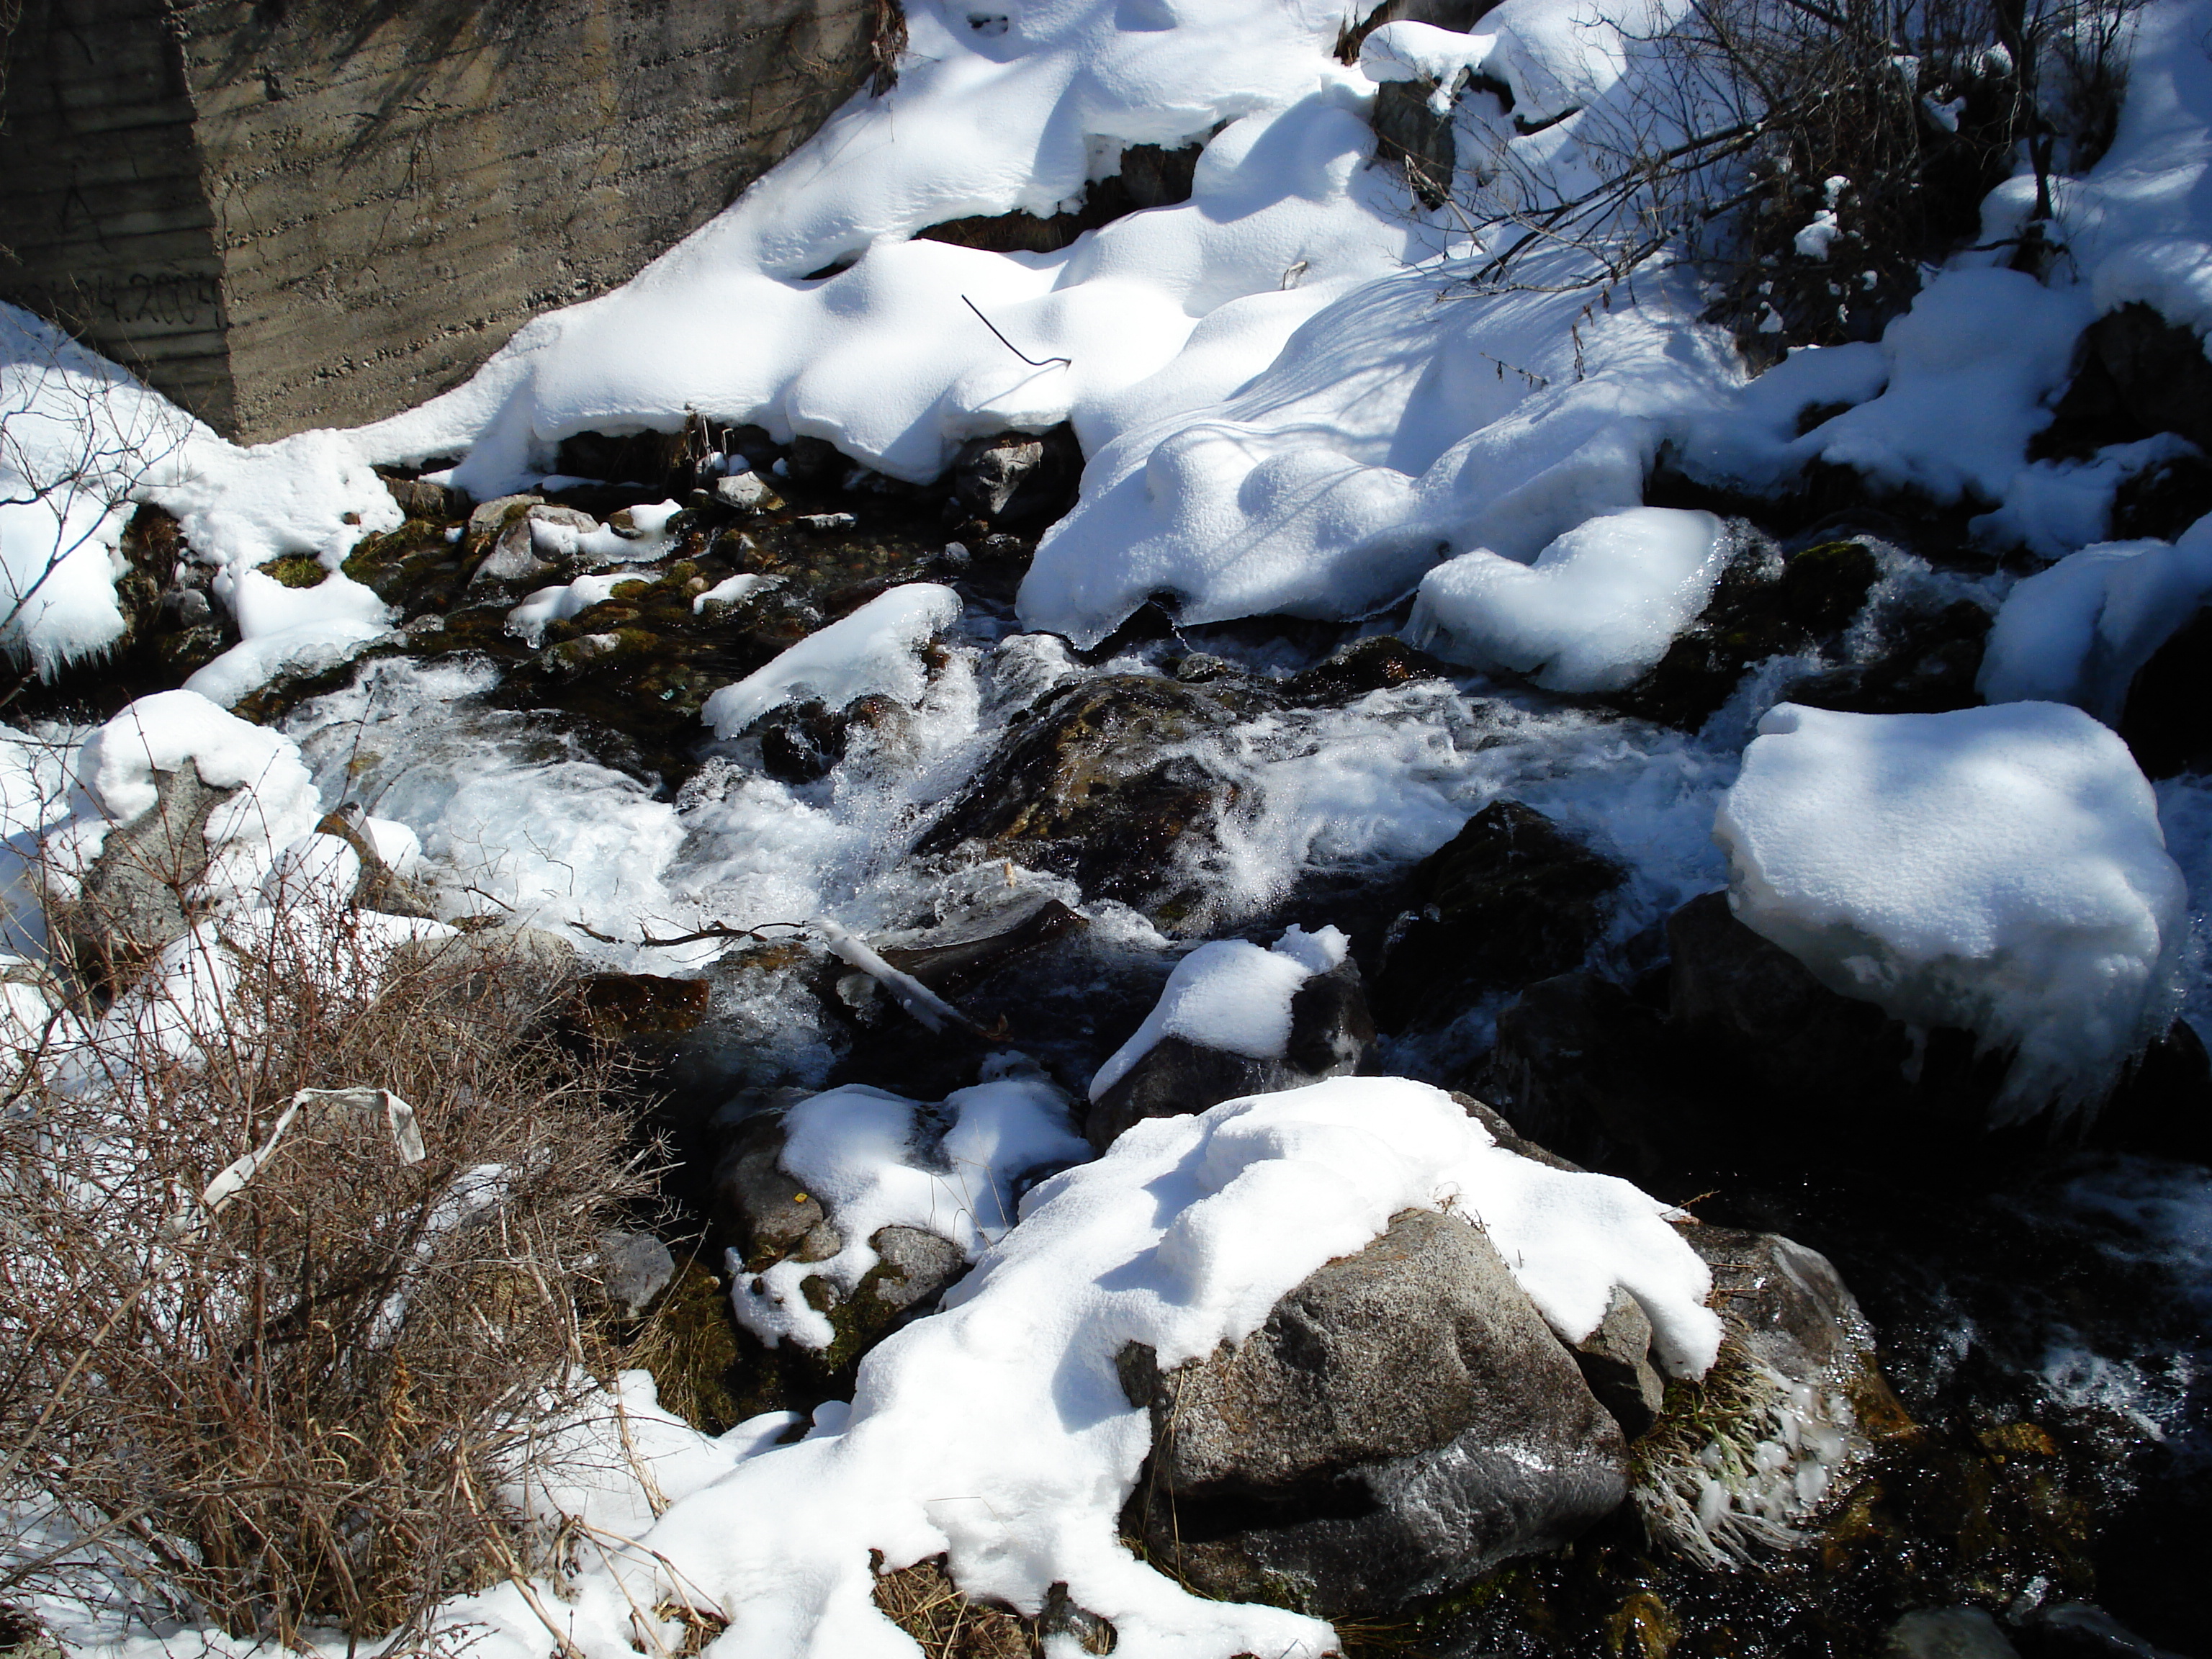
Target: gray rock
[633,1269]
[1013,476]
[744,492]
[131,903]
[1949,1633]
[489,517]
[1404,1421]
[418,498]
[1615,1361]
[916,1268]
[514,558]
[1330,1034]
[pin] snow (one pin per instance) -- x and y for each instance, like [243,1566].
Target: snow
[1230,995]
[528,620]
[876,651]
[1998,869]
[1597,609]
[867,1154]
[96,441]
[996,1431]
[2079,631]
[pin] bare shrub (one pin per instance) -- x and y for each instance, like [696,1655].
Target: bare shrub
[308,1402]
[1743,123]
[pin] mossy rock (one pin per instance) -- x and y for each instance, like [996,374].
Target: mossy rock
[295,570]
[414,566]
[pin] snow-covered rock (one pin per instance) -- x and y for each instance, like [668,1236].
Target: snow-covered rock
[1600,605]
[997,1432]
[1998,869]
[876,651]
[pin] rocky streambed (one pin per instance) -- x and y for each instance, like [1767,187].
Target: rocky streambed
[1961,1399]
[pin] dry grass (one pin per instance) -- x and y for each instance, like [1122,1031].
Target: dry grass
[923,1601]
[301,1407]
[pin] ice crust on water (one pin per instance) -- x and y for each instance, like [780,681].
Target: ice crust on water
[1598,608]
[1230,995]
[863,1153]
[875,651]
[1998,869]
[996,1431]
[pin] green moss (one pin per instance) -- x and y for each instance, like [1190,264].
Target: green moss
[296,570]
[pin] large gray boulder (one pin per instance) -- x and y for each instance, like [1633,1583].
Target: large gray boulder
[1404,1421]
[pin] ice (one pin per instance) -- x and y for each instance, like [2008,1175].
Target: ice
[996,1432]
[1230,995]
[2079,632]
[1598,608]
[1998,869]
[866,1153]
[876,651]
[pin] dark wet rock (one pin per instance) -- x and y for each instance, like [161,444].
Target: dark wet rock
[1509,900]
[132,901]
[2166,720]
[1149,176]
[419,498]
[1786,1303]
[1330,1034]
[2163,499]
[633,1269]
[1927,665]
[1403,1421]
[816,462]
[415,566]
[630,1008]
[1947,1633]
[1586,1068]
[1382,663]
[952,959]
[1018,477]
[2137,375]
[1767,603]
[1412,135]
[801,742]
[1735,1056]
[1101,782]
[2075,1630]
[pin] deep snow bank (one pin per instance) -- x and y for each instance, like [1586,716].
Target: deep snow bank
[1999,869]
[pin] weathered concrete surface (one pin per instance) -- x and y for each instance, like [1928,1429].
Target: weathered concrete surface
[296,213]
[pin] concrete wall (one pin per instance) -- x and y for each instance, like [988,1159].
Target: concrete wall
[354,202]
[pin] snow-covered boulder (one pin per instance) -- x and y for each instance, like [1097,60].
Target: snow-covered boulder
[875,652]
[1598,608]
[2002,870]
[2080,631]
[998,1434]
